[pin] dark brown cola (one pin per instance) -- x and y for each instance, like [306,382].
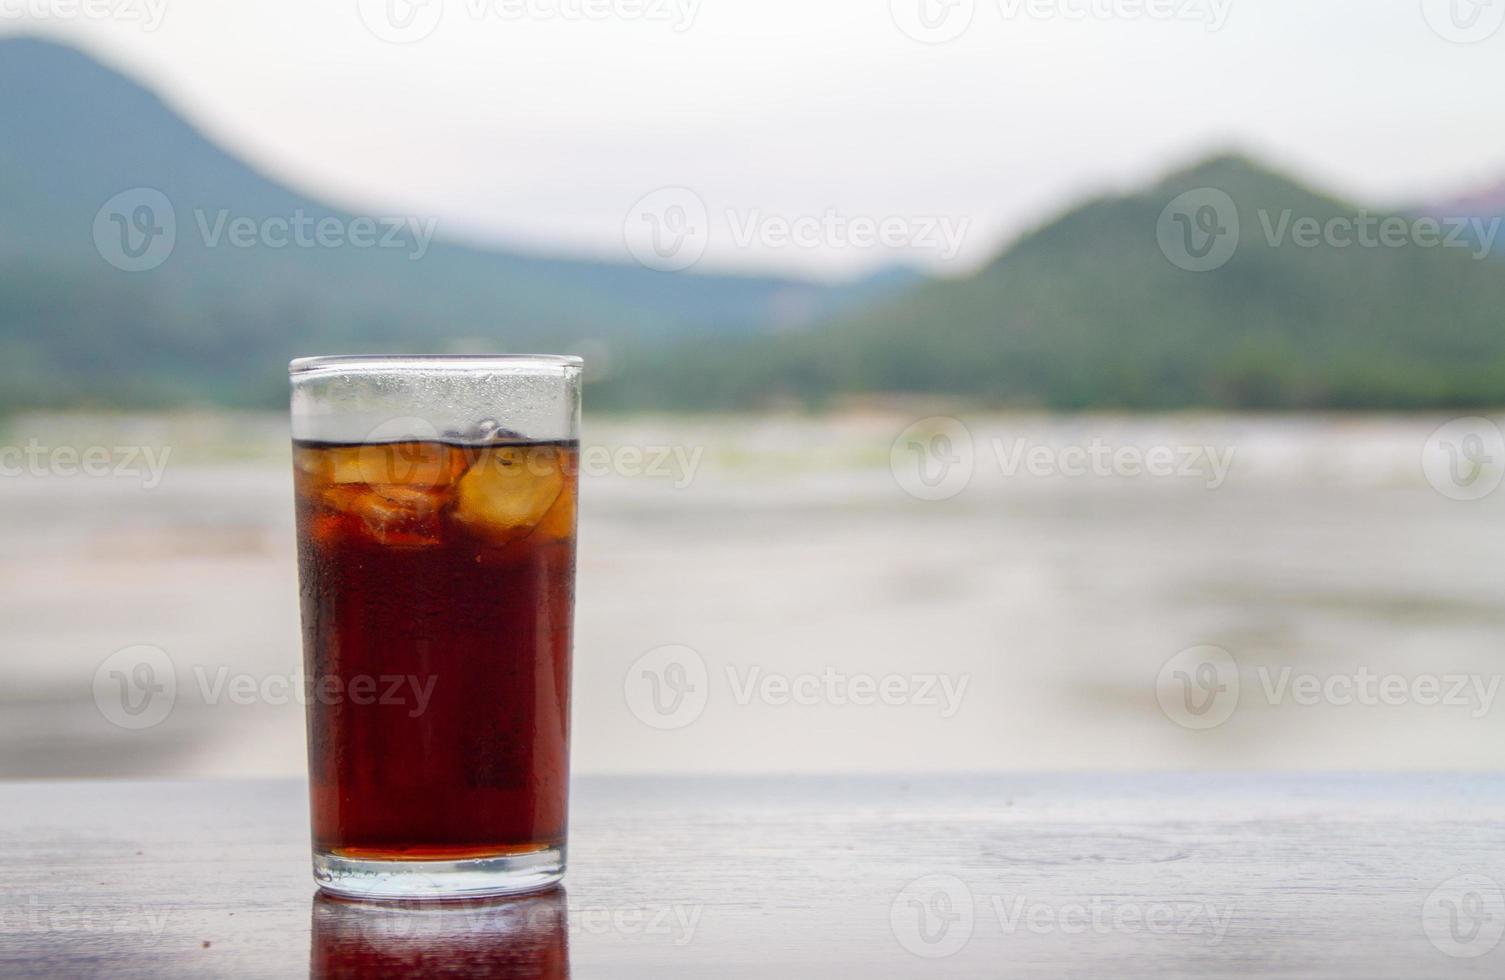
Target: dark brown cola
[437,584]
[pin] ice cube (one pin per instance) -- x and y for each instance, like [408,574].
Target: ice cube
[309,461]
[559,522]
[400,515]
[412,464]
[508,489]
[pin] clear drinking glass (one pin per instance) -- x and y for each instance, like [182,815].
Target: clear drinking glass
[436,557]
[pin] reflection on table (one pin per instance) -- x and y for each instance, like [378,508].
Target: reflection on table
[527,936]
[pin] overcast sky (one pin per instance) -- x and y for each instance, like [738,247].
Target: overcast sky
[522,122]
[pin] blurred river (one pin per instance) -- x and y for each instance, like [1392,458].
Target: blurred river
[1029,620]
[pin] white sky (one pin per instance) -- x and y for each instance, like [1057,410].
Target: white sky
[543,131]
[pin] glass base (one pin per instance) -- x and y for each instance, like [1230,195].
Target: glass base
[504,874]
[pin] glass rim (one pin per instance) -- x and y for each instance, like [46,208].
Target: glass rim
[431,362]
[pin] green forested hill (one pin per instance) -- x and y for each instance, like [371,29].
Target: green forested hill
[219,323]
[1088,311]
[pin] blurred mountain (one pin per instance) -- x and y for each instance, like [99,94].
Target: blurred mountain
[1090,311]
[1103,307]
[215,321]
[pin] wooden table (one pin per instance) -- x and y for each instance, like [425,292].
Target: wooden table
[859,877]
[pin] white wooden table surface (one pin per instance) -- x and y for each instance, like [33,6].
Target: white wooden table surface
[870,877]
